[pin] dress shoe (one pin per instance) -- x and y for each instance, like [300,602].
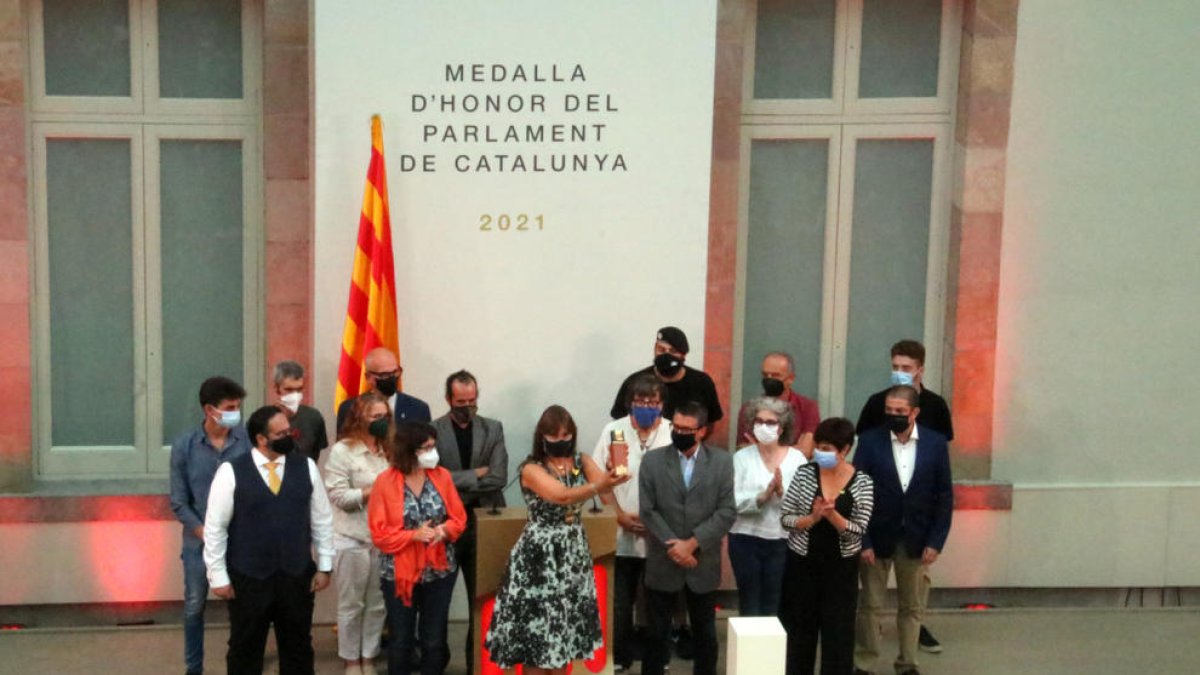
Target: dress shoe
[927,642]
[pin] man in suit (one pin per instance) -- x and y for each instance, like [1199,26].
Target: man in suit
[914,501]
[267,511]
[685,491]
[472,448]
[383,373]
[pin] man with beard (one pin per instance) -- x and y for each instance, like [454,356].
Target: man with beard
[472,449]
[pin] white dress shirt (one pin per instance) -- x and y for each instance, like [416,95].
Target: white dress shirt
[905,455]
[750,478]
[220,512]
[630,545]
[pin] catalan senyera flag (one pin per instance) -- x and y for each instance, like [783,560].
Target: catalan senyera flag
[371,310]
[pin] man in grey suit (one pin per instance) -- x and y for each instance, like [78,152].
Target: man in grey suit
[686,496]
[472,449]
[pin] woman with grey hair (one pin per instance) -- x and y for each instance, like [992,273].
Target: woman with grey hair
[762,473]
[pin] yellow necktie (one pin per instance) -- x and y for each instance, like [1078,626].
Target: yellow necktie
[273,481]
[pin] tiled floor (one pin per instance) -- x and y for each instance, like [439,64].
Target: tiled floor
[1103,641]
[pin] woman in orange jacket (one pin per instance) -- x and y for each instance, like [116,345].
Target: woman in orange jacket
[414,514]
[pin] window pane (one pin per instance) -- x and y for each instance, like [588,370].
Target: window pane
[888,259]
[200,48]
[900,43]
[785,252]
[793,51]
[87,47]
[202,309]
[91,291]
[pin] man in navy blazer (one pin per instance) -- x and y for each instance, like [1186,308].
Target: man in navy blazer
[383,373]
[914,501]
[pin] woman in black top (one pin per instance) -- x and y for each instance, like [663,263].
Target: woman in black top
[825,510]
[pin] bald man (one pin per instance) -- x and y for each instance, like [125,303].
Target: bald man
[383,375]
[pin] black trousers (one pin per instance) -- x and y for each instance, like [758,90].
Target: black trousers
[627,579]
[702,614]
[282,600]
[464,552]
[820,596]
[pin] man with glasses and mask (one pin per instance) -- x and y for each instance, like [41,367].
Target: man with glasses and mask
[683,383]
[472,449]
[625,442]
[909,464]
[685,493]
[266,516]
[383,373]
[195,457]
[778,375]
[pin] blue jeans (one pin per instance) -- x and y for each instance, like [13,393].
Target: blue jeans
[758,567]
[424,620]
[195,592]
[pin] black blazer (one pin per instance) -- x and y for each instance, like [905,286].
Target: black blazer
[918,518]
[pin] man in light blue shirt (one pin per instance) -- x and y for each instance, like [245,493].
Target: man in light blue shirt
[195,456]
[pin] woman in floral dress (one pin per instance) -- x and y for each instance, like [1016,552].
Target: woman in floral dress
[546,614]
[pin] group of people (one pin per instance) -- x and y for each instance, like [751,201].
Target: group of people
[391,519]
[809,521]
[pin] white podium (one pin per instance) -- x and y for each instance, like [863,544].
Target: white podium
[757,646]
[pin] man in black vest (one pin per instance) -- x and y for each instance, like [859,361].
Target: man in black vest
[264,518]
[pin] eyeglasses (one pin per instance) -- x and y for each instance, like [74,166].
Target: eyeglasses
[383,376]
[647,402]
[766,423]
[686,430]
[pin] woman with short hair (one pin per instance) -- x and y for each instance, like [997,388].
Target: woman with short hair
[762,473]
[826,510]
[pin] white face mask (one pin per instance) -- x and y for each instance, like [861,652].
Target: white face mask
[428,459]
[292,401]
[766,434]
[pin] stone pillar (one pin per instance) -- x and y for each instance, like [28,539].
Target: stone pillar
[287,164]
[16,354]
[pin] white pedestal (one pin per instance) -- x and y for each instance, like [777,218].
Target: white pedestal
[757,646]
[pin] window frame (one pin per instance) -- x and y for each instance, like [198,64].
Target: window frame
[844,120]
[144,99]
[847,47]
[145,120]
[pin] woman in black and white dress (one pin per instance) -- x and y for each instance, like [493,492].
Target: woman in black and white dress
[826,511]
[546,613]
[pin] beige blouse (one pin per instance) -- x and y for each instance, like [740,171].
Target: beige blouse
[349,469]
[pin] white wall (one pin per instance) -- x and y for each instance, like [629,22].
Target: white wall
[553,316]
[1098,295]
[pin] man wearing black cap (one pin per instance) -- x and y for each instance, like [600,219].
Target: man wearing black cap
[683,383]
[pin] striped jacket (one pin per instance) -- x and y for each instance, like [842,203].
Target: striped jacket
[797,504]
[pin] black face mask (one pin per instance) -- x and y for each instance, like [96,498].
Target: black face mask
[896,423]
[559,448]
[463,414]
[378,428]
[667,365]
[387,385]
[682,442]
[772,387]
[283,446]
